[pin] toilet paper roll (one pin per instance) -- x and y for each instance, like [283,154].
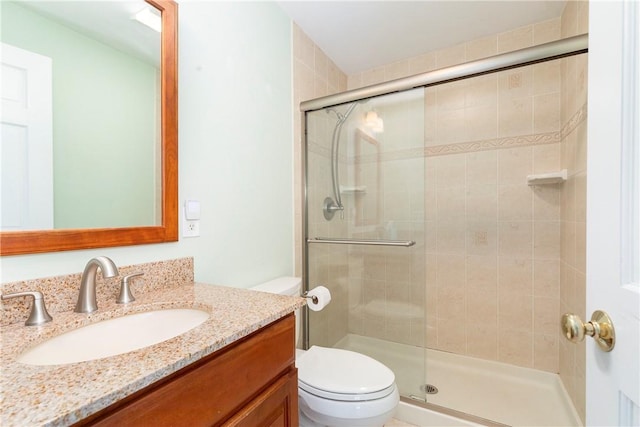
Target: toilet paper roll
[323,298]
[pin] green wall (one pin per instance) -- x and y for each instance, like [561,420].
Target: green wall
[104,123]
[235,151]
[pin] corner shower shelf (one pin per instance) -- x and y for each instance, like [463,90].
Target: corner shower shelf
[547,178]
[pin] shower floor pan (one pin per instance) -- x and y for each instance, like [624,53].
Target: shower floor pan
[495,391]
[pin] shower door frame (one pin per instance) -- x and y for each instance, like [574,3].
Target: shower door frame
[541,53]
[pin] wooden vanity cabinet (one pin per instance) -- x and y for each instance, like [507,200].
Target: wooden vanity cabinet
[251,382]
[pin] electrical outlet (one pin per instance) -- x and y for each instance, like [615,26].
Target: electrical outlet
[190,228]
[191,218]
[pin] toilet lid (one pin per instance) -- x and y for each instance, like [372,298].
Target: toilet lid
[343,375]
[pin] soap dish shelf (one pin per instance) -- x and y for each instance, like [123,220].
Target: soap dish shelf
[547,178]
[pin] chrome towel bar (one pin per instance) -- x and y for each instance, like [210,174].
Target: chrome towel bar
[342,241]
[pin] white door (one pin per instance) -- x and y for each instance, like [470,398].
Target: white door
[613,211]
[26,144]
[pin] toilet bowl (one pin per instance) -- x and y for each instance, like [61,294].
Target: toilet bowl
[338,387]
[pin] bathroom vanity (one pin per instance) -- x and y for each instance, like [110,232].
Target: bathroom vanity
[237,368]
[250,382]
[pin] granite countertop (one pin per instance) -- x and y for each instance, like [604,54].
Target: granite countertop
[64,394]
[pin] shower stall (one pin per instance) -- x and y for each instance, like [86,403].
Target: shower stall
[420,220]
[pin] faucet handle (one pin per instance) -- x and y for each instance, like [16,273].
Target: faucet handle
[125,289]
[39,313]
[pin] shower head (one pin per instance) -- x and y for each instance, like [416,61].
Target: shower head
[345,116]
[334,111]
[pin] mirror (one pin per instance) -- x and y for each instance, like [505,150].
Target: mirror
[161,221]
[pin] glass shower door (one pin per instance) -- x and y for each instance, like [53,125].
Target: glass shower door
[365,189]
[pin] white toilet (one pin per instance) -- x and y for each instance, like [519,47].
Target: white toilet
[338,387]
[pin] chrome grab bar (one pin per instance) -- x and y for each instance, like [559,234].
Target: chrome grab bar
[373,242]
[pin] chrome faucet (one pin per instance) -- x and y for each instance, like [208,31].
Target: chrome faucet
[125,295]
[39,313]
[87,296]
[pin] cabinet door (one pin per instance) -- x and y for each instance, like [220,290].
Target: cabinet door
[277,406]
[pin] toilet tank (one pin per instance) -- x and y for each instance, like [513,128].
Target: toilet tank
[291,286]
[282,286]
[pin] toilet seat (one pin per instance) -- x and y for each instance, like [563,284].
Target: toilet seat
[343,375]
[346,397]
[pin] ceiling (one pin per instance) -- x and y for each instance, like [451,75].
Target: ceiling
[357,35]
[361,35]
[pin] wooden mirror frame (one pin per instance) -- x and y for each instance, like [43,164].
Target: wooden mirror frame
[39,241]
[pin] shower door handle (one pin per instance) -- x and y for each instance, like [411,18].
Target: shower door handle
[340,241]
[600,327]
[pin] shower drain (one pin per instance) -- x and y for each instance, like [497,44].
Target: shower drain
[429,389]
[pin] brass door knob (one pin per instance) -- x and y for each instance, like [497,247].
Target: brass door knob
[600,327]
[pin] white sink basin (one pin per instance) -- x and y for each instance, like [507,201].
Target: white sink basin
[114,336]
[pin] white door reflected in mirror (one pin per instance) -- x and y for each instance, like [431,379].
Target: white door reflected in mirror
[26,151]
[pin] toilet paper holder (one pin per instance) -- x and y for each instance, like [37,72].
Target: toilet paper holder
[314,298]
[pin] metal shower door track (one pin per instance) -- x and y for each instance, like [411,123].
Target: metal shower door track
[518,58]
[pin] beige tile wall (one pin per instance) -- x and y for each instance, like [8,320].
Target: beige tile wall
[492,242]
[492,255]
[315,75]
[475,49]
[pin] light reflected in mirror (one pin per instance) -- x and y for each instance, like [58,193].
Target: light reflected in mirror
[80,115]
[110,172]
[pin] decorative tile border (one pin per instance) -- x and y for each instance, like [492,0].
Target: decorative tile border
[465,147]
[493,144]
[574,121]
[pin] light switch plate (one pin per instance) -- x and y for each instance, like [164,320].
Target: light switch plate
[192,209]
